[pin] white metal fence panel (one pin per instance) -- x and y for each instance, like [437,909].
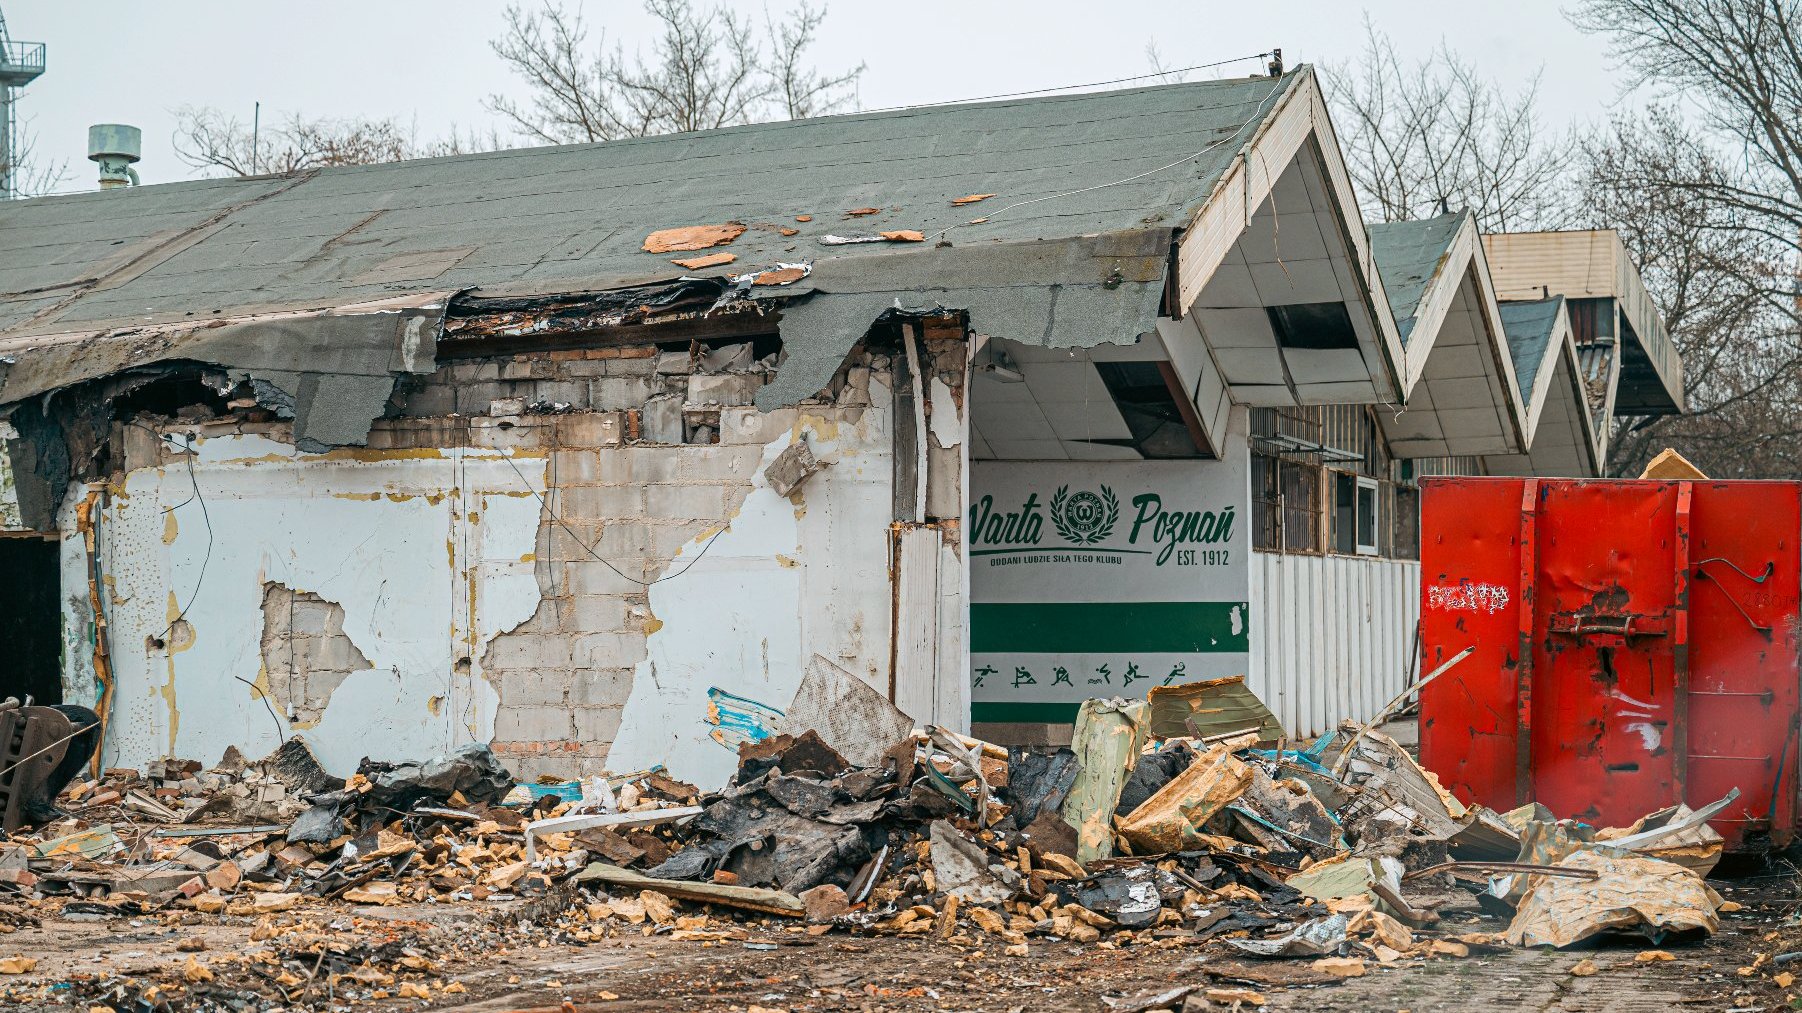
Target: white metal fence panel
[1331,636]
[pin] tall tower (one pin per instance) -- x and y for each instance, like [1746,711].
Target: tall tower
[20,64]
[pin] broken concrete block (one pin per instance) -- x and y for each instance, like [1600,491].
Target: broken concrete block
[856,390]
[507,406]
[196,859]
[825,902]
[792,467]
[724,388]
[22,878]
[663,419]
[963,869]
[726,359]
[225,876]
[674,364]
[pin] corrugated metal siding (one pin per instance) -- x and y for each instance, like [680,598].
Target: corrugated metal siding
[1331,635]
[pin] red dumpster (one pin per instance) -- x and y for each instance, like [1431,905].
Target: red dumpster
[1636,646]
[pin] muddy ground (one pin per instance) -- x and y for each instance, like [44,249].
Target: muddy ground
[498,960]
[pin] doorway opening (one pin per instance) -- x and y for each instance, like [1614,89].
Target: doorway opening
[31,620]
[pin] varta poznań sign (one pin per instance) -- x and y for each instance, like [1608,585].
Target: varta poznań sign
[1103,579]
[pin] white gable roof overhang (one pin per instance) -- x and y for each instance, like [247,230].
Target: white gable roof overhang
[1282,232]
[1462,395]
[1562,439]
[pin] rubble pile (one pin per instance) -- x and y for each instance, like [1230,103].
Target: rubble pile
[1339,857]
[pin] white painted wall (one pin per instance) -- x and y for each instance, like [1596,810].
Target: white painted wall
[785,580]
[1331,636]
[384,536]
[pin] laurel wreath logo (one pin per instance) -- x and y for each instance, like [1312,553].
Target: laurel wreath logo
[1084,518]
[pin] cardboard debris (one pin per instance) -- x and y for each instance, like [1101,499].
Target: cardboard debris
[1634,894]
[1670,466]
[1108,737]
[1210,707]
[1171,819]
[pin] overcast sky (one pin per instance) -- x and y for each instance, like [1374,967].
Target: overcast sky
[427,62]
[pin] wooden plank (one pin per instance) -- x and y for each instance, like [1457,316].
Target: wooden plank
[916,590]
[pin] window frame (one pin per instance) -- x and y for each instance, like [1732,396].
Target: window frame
[1374,546]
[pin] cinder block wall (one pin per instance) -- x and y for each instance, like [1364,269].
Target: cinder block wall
[627,490]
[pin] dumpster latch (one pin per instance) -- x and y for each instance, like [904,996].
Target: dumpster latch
[1608,629]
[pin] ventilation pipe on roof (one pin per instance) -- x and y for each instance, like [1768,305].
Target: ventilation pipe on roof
[113,147]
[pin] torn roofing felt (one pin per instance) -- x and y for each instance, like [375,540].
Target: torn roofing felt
[1529,327]
[1075,177]
[1408,256]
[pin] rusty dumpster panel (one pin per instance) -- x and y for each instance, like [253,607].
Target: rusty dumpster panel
[1637,646]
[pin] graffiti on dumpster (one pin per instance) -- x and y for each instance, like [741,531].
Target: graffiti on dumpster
[1489,598]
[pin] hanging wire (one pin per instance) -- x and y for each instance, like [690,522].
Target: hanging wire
[1072,87]
[590,550]
[188,454]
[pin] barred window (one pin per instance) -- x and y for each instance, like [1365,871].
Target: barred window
[1286,508]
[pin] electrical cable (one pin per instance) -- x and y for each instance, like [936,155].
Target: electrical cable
[1071,87]
[597,556]
[194,483]
[280,732]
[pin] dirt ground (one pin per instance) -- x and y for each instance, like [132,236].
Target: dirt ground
[500,961]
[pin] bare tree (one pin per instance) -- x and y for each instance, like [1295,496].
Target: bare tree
[1423,137]
[1738,65]
[208,139]
[1720,289]
[708,68]
[31,175]
[1725,163]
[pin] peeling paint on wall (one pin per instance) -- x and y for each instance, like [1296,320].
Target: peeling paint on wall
[254,511]
[739,619]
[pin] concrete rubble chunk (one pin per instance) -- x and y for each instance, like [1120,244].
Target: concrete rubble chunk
[792,467]
[966,871]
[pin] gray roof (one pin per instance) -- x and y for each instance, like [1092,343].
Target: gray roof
[1088,191]
[1529,327]
[1408,255]
[572,218]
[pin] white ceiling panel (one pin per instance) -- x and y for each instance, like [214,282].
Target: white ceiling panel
[1070,380]
[1240,328]
[1086,420]
[1296,281]
[1028,450]
[1250,365]
[1324,365]
[1100,452]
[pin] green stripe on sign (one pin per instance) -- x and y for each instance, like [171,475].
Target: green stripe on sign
[1032,713]
[1175,627]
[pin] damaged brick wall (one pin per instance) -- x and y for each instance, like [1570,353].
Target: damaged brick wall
[306,654]
[649,451]
[508,559]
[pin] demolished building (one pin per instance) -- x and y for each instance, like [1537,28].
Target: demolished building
[590,452]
